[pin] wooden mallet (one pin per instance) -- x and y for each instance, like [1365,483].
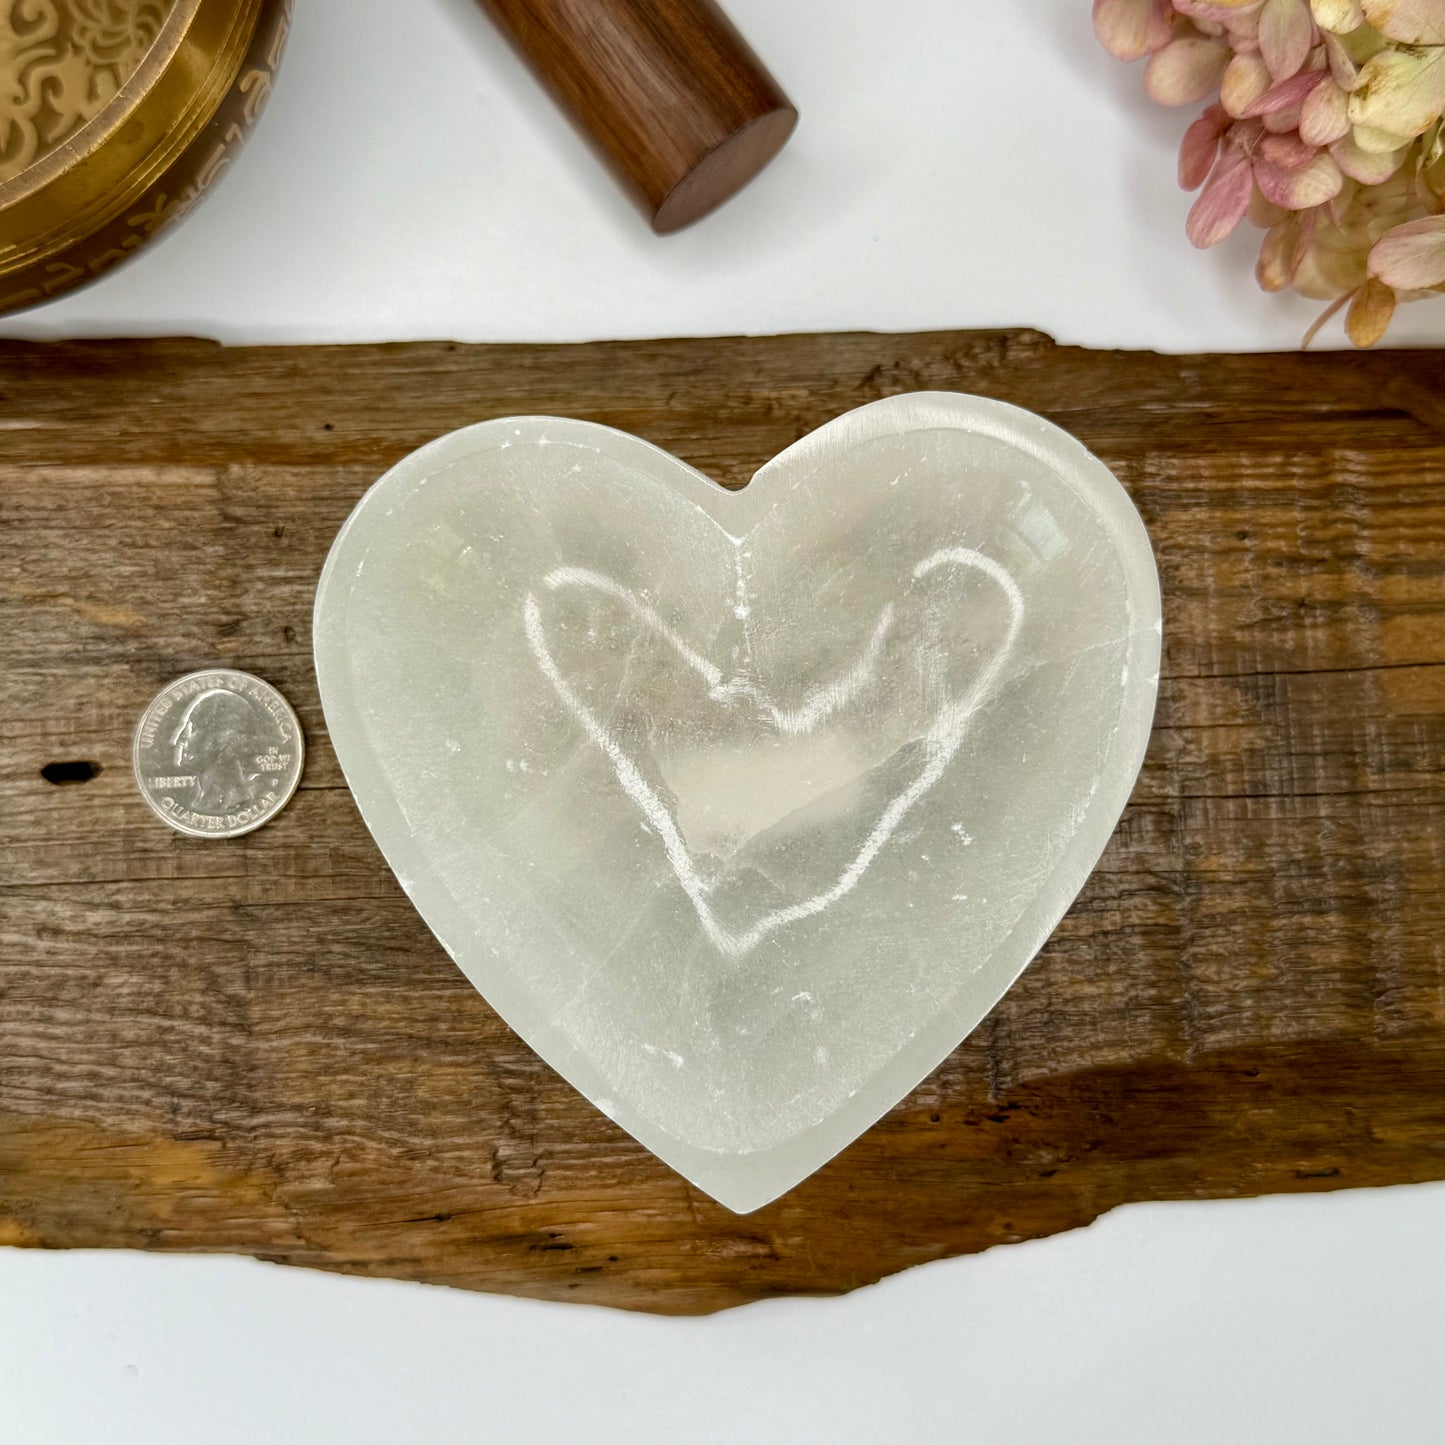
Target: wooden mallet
[670,95]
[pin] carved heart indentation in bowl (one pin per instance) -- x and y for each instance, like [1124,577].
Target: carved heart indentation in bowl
[743,808]
[942,738]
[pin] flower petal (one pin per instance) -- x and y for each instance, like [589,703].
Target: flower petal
[1400,91]
[1377,142]
[1370,168]
[1324,117]
[1341,16]
[1278,255]
[1294,91]
[1342,64]
[1338,210]
[1186,71]
[1287,151]
[1286,33]
[1246,82]
[1410,22]
[1412,256]
[1263,214]
[1222,203]
[1297,188]
[1326,272]
[1132,29]
[1242,26]
[1370,313]
[1281,122]
[1200,148]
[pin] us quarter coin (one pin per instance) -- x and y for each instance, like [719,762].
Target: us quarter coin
[217,753]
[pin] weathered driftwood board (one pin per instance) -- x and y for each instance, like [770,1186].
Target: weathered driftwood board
[256,1046]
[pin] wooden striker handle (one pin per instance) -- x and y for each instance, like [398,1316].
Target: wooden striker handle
[680,108]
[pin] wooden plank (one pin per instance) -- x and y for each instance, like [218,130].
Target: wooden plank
[256,1046]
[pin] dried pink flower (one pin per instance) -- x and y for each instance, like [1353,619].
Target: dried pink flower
[1326,127]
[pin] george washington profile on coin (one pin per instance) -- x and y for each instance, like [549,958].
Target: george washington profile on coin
[216,742]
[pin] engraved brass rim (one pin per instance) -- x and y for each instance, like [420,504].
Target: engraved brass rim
[93,177]
[55,159]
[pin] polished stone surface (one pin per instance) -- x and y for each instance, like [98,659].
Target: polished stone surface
[743,808]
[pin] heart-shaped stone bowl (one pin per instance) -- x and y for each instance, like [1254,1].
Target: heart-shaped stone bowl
[744,808]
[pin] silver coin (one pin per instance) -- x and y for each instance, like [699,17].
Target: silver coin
[217,753]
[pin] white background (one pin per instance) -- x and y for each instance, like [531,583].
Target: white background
[958,164]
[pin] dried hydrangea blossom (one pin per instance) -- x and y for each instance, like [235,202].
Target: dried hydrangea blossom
[1324,127]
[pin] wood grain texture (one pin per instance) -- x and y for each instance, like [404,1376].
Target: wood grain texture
[671,97]
[257,1046]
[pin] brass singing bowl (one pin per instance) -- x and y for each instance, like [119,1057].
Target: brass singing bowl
[116,117]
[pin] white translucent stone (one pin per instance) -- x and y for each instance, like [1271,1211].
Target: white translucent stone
[743,808]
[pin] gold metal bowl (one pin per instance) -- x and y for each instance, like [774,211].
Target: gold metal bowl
[116,116]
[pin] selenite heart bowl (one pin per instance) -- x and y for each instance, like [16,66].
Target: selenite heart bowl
[743,808]
[116,117]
